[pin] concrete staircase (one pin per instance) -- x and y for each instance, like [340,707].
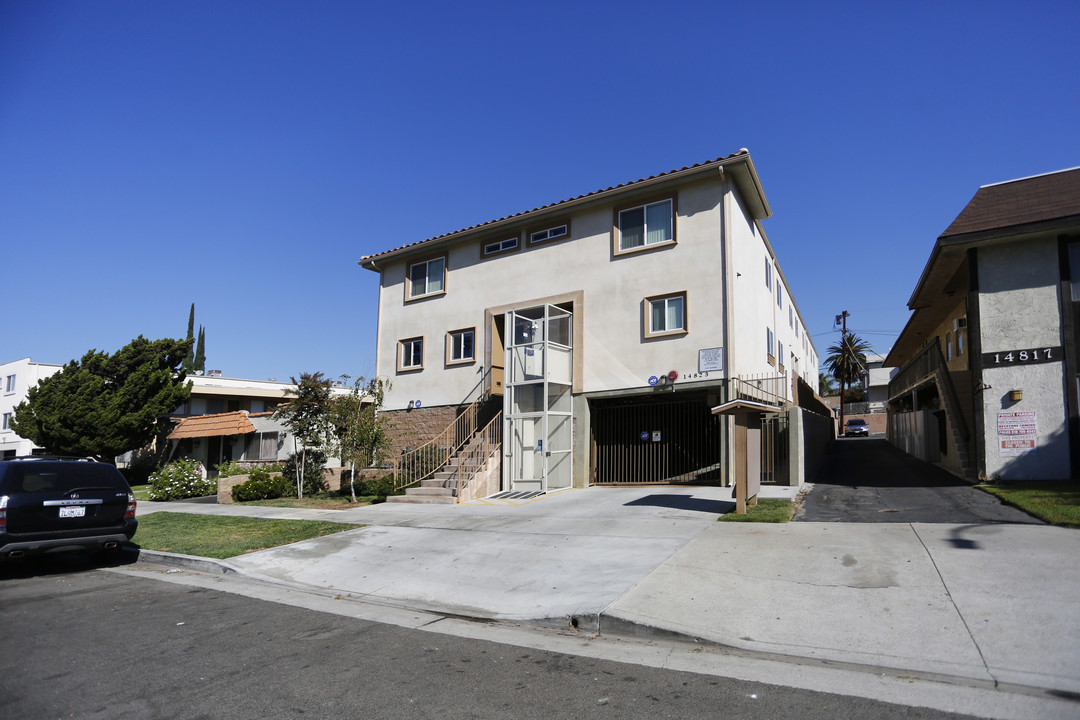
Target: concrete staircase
[439,489]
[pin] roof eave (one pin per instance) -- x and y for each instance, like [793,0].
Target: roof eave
[740,166]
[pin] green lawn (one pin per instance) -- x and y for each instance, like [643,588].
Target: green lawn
[222,537]
[768,510]
[142,492]
[318,501]
[1057,503]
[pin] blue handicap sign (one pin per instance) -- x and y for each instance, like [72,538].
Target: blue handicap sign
[652,381]
[645,435]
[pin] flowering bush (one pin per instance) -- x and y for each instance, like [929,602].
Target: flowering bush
[180,479]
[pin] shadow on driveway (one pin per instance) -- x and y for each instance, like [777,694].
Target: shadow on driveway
[684,502]
[869,480]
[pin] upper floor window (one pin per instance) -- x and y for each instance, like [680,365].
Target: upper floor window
[959,342]
[667,315]
[411,354]
[551,233]
[461,346]
[7,422]
[769,345]
[645,225]
[499,246]
[9,384]
[779,296]
[780,353]
[768,273]
[427,277]
[948,346]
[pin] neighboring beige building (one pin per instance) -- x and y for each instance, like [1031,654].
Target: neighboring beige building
[989,386]
[604,328]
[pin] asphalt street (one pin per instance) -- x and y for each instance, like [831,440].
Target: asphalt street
[86,643]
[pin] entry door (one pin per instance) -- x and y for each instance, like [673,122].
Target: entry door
[538,402]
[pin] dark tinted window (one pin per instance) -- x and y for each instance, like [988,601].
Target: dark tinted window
[51,477]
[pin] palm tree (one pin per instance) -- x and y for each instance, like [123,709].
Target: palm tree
[826,385]
[847,358]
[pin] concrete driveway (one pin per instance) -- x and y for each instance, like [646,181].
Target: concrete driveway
[564,555]
[867,480]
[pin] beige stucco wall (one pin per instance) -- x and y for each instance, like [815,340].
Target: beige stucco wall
[613,352]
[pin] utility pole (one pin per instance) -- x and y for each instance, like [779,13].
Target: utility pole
[842,317]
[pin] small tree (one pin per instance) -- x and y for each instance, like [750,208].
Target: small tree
[105,405]
[200,352]
[359,432]
[307,417]
[188,366]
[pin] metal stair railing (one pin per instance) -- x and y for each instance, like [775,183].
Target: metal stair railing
[476,453]
[424,461]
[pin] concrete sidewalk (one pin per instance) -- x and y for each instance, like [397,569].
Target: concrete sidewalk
[992,605]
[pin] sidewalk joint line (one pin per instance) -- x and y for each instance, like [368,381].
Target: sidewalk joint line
[955,606]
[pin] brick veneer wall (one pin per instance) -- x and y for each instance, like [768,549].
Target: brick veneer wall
[412,428]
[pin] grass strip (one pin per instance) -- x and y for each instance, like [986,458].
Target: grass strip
[217,536]
[768,510]
[1057,503]
[319,501]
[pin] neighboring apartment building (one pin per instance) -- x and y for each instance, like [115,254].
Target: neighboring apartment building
[989,385]
[230,419]
[224,419]
[604,327]
[16,379]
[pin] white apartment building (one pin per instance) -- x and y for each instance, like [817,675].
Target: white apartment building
[603,328]
[16,379]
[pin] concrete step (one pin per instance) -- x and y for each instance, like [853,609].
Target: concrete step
[421,499]
[439,483]
[434,491]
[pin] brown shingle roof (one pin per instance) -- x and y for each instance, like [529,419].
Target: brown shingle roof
[198,426]
[1019,202]
[552,206]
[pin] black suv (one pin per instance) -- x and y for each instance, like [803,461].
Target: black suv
[52,504]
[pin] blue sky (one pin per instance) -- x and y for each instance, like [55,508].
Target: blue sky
[244,155]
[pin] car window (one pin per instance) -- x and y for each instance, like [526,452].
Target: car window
[53,477]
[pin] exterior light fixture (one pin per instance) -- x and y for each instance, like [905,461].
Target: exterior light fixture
[1016,395]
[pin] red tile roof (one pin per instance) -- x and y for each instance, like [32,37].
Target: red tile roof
[1020,202]
[197,426]
[554,205]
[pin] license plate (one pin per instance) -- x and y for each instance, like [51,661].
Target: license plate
[74,511]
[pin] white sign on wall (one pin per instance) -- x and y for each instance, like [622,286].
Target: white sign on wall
[1016,423]
[1017,432]
[710,359]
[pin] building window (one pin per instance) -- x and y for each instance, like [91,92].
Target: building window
[791,317]
[780,296]
[7,422]
[427,277]
[461,346]
[666,315]
[768,274]
[948,346]
[411,354]
[646,225]
[9,384]
[551,233]
[262,446]
[959,343]
[769,345]
[501,246]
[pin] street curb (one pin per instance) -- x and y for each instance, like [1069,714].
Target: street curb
[188,562]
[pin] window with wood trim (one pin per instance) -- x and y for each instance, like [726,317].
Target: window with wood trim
[643,226]
[554,232]
[427,277]
[665,315]
[769,346]
[501,246]
[461,346]
[411,354]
